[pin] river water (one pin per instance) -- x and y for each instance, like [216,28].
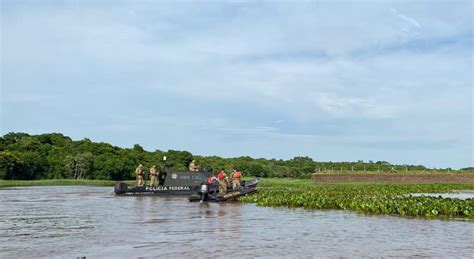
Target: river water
[77,221]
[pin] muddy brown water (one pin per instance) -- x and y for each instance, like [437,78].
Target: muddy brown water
[76,221]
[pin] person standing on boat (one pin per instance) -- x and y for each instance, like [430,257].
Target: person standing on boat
[213,183]
[139,171]
[211,179]
[153,175]
[222,177]
[193,167]
[236,175]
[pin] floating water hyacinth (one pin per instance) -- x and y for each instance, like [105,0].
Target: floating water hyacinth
[365,198]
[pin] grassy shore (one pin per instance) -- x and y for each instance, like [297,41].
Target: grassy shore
[53,182]
[370,198]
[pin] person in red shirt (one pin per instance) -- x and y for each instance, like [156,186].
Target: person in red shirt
[222,177]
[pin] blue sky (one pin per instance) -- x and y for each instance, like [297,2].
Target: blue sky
[333,80]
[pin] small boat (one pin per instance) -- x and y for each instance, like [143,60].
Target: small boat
[210,192]
[170,183]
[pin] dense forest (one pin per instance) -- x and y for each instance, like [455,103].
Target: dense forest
[55,156]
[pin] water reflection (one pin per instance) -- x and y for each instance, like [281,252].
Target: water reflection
[460,195]
[91,221]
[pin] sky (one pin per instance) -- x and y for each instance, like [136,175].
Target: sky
[332,80]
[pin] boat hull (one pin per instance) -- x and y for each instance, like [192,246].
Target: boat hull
[176,183]
[160,191]
[247,187]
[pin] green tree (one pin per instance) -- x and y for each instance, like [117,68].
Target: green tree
[9,162]
[253,169]
[179,159]
[13,137]
[2,144]
[79,166]
[32,166]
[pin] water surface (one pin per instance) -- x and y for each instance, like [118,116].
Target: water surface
[72,221]
[454,195]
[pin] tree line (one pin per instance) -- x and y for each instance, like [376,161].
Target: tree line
[55,156]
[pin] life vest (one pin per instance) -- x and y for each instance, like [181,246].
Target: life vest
[211,179]
[236,175]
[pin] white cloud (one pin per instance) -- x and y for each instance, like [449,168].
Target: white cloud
[407,19]
[351,106]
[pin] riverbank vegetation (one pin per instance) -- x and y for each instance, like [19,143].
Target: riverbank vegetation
[371,198]
[55,156]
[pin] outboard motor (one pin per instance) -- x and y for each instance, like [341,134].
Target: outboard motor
[204,191]
[120,188]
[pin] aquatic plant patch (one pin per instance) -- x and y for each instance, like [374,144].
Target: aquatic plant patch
[364,197]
